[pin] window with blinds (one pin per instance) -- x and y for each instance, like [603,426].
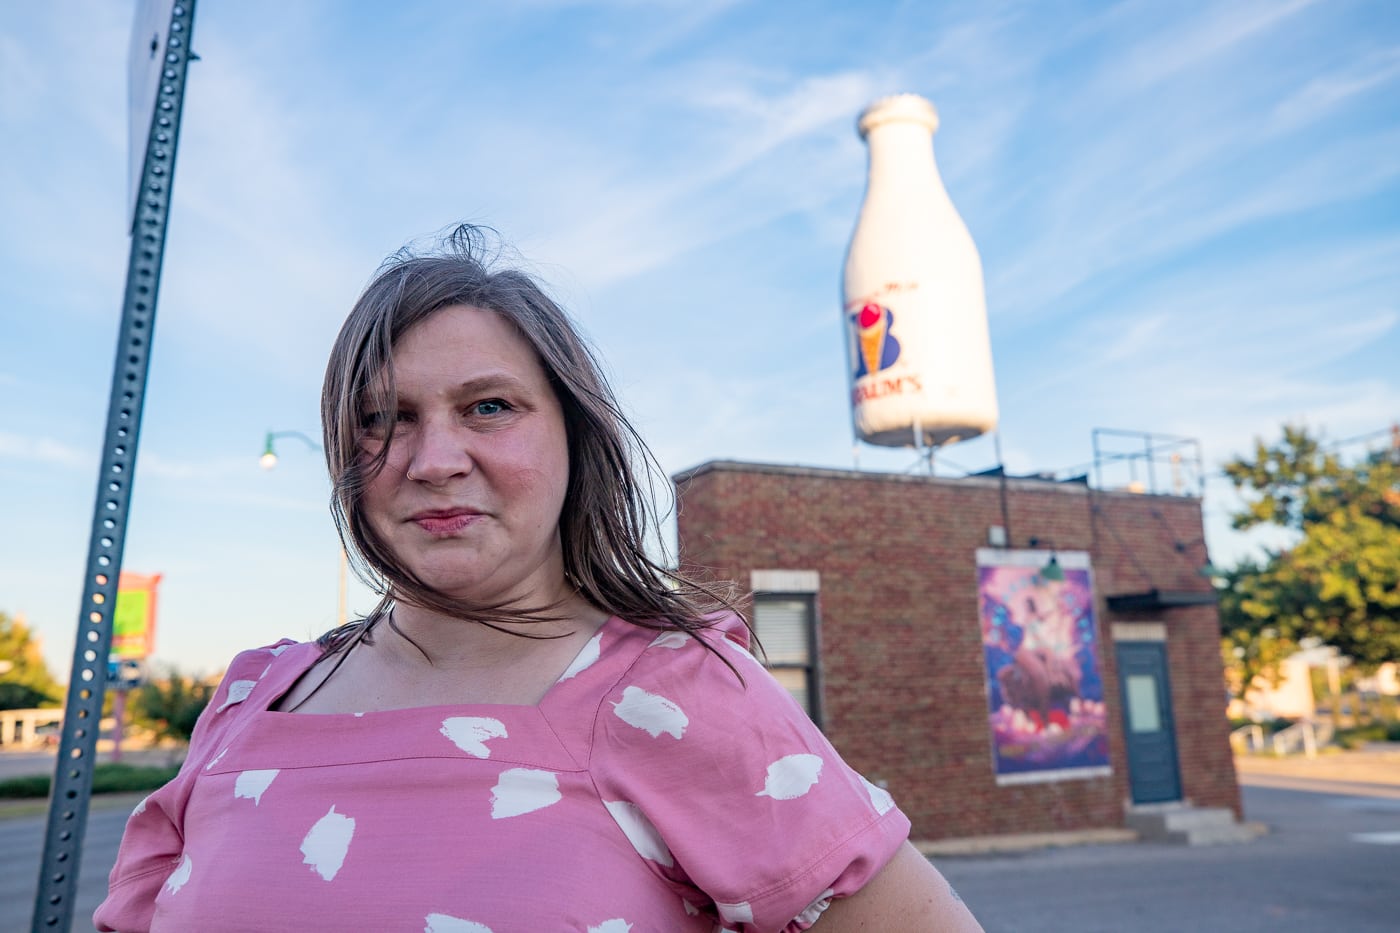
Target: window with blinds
[786,625]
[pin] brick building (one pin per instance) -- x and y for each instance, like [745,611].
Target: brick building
[867,598]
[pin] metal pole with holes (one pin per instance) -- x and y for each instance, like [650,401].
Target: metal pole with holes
[72,784]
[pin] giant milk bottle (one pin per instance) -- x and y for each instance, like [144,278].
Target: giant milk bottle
[915,312]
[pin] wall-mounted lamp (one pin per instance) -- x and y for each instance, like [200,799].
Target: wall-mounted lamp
[1208,569]
[1052,570]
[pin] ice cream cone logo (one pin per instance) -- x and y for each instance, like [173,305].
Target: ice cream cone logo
[876,348]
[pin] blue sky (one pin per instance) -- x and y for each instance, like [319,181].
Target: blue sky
[1188,215]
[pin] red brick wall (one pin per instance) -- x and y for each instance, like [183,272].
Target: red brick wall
[904,695]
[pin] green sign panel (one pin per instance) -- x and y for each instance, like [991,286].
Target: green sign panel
[131,624]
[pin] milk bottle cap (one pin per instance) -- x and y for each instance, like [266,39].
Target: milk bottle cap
[899,108]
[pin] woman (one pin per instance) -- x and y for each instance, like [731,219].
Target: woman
[538,728]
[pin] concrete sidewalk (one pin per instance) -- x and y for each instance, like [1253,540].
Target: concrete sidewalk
[1371,771]
[1377,763]
[27,762]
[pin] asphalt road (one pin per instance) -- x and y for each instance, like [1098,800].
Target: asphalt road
[1330,864]
[22,845]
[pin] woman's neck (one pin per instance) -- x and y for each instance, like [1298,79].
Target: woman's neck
[416,636]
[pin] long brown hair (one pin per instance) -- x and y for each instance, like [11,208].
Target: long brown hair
[607,513]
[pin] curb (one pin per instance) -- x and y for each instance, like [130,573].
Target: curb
[1022,842]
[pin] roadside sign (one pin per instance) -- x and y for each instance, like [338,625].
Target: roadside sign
[125,675]
[134,620]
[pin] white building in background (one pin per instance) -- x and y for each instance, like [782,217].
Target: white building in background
[29,728]
[1293,698]
[1290,698]
[1384,682]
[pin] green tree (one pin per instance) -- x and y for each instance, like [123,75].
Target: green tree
[1340,583]
[171,705]
[25,681]
[1252,643]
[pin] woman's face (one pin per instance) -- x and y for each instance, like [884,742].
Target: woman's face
[470,495]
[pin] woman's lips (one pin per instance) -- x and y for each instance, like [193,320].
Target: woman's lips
[445,522]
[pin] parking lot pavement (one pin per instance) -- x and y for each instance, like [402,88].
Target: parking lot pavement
[1328,863]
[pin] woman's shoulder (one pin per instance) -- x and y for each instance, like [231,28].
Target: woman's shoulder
[263,673]
[697,687]
[690,660]
[715,767]
[256,664]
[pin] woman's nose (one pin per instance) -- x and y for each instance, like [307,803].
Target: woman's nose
[439,453]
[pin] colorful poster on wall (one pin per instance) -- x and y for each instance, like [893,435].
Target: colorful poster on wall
[1044,672]
[134,621]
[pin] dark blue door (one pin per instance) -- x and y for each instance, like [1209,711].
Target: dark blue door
[1147,721]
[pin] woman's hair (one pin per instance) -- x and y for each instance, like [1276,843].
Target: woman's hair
[607,512]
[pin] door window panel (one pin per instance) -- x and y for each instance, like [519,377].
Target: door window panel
[1143,709]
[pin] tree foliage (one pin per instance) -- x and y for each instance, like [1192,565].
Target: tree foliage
[1340,584]
[25,681]
[1252,644]
[171,705]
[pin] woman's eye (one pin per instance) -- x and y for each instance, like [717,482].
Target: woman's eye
[491,406]
[379,420]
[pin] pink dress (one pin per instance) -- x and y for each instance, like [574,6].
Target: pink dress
[648,791]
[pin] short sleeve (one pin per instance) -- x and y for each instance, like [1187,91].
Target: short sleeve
[730,791]
[150,856]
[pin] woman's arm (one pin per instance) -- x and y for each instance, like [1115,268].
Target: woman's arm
[907,896]
[150,852]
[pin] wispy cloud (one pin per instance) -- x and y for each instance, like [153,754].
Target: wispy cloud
[269,268]
[45,451]
[1188,42]
[724,184]
[53,172]
[1141,335]
[1324,94]
[681,21]
[1126,200]
[1259,315]
[20,80]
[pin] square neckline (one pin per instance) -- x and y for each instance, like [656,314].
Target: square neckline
[569,671]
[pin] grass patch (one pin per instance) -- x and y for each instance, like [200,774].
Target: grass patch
[107,778]
[1267,726]
[1357,736]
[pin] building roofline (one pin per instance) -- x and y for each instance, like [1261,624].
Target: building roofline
[1074,486]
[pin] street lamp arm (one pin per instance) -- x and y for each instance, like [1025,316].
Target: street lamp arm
[269,455]
[268,461]
[273,435]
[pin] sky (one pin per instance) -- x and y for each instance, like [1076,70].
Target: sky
[1188,216]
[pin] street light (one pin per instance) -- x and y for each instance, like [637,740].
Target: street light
[267,461]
